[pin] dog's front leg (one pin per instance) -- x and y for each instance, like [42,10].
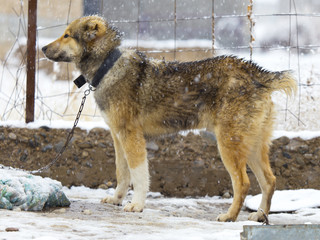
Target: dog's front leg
[134,146]
[122,172]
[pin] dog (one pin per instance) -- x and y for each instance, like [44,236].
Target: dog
[141,97]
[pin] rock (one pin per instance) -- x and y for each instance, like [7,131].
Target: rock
[286,155]
[87,212]
[2,137]
[102,145]
[208,136]
[12,136]
[85,145]
[47,147]
[226,194]
[98,130]
[199,163]
[284,141]
[152,146]
[24,156]
[57,147]
[297,146]
[109,184]
[85,154]
[308,156]
[300,161]
[293,145]
[46,128]
[89,164]
[32,143]
[279,163]
[103,186]
[24,140]
[12,229]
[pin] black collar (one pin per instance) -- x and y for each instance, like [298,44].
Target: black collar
[107,64]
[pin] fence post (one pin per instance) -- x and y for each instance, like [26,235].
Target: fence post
[212,29]
[31,59]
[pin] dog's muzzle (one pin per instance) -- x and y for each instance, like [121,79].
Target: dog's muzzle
[44,49]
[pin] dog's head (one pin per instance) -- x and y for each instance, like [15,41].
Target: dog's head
[84,37]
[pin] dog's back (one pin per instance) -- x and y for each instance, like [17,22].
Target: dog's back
[179,96]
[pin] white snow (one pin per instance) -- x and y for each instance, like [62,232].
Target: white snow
[288,200]
[163,218]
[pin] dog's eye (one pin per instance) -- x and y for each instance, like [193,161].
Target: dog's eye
[66,36]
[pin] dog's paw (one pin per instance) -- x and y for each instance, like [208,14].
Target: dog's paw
[112,200]
[256,216]
[133,207]
[226,218]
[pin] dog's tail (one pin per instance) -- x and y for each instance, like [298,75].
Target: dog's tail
[281,81]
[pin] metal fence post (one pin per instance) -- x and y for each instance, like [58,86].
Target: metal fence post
[31,59]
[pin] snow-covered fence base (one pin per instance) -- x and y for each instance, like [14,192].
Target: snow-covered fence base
[19,189]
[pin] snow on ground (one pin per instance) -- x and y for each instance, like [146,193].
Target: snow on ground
[163,218]
[288,200]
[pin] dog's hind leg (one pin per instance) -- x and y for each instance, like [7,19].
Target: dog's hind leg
[122,172]
[233,152]
[259,164]
[134,146]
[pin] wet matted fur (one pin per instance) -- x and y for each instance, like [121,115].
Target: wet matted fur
[141,97]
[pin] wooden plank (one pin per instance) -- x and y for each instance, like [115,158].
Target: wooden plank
[31,59]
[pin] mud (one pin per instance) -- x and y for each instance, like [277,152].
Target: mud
[179,165]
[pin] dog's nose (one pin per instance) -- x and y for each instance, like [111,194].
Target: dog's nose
[44,49]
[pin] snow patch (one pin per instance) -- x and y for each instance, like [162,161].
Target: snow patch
[288,200]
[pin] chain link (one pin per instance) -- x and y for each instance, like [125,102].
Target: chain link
[70,135]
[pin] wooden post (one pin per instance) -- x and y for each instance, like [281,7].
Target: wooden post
[31,59]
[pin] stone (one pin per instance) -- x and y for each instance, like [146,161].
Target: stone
[32,143]
[85,154]
[85,145]
[109,184]
[226,194]
[102,145]
[57,147]
[152,146]
[24,156]
[12,136]
[12,229]
[103,186]
[294,145]
[208,136]
[308,156]
[89,164]
[286,155]
[284,141]
[47,148]
[87,212]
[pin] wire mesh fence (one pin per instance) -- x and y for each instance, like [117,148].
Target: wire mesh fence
[276,34]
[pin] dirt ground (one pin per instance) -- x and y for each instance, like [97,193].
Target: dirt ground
[179,165]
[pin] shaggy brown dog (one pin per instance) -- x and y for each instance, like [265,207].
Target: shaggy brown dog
[140,97]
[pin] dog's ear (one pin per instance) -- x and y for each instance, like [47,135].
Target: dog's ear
[91,30]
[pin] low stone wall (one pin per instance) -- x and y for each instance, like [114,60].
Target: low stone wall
[179,165]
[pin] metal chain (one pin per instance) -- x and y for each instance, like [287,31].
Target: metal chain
[70,135]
